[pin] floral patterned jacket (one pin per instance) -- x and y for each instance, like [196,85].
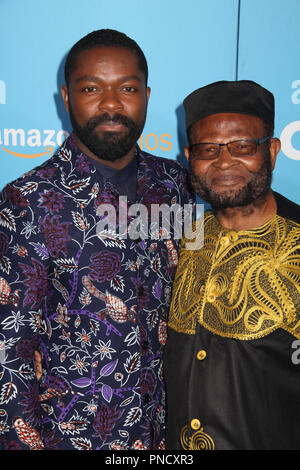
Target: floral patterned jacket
[94,304]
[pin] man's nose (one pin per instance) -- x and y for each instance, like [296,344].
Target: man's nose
[110,101]
[225,158]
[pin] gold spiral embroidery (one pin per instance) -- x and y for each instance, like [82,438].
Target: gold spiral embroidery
[199,440]
[241,285]
[184,438]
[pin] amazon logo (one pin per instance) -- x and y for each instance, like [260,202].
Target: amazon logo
[40,143]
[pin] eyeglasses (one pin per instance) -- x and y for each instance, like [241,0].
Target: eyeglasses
[237,148]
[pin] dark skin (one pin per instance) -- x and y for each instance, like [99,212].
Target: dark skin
[38,364]
[227,174]
[105,80]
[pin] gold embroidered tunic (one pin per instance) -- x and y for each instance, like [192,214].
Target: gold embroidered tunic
[233,327]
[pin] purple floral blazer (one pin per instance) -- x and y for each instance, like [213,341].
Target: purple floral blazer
[94,304]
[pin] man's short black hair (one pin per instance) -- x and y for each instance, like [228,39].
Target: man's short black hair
[108,38]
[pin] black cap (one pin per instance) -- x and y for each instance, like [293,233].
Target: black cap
[242,97]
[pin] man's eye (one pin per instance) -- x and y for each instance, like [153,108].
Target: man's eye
[244,147]
[129,89]
[89,89]
[211,149]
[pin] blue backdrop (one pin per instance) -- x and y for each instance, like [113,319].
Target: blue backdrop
[187,44]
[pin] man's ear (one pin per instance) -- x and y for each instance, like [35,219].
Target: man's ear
[65,96]
[275,146]
[148,92]
[187,152]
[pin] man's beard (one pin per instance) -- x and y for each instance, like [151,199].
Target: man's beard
[256,188]
[111,146]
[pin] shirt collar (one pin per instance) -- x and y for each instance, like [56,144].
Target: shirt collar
[114,174]
[146,164]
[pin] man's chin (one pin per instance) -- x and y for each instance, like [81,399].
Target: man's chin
[110,148]
[228,196]
[232,199]
[108,155]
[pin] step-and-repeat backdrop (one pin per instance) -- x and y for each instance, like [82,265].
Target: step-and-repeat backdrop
[187,44]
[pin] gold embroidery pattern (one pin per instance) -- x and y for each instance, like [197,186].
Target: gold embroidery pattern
[199,440]
[241,285]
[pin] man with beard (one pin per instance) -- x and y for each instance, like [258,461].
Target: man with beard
[234,326]
[76,289]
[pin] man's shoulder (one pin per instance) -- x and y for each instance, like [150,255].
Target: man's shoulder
[154,160]
[286,208]
[50,168]
[26,183]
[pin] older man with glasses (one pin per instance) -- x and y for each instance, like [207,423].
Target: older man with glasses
[234,321]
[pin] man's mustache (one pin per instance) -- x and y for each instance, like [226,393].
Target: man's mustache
[117,118]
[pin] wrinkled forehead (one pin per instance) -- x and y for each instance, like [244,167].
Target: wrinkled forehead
[228,125]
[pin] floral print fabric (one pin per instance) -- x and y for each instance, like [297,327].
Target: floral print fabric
[94,304]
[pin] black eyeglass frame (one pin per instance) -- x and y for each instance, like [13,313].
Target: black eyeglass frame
[257,142]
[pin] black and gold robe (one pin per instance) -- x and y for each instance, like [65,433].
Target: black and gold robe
[231,364]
